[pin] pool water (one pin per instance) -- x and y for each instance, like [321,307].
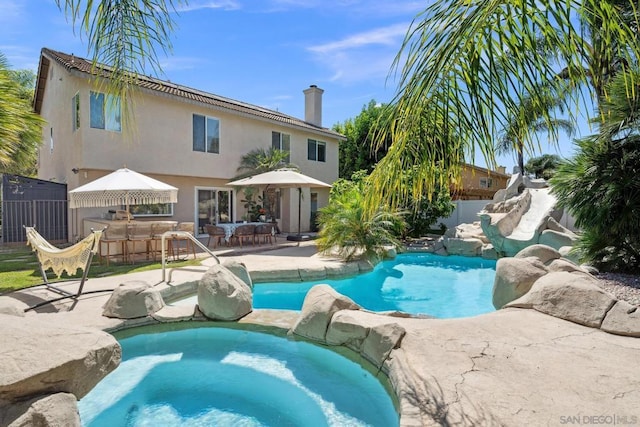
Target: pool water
[417,283]
[210,376]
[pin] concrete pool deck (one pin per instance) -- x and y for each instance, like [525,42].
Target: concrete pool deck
[512,367]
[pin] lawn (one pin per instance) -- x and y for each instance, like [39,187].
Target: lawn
[19,269]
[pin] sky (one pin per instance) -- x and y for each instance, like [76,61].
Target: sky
[263,52]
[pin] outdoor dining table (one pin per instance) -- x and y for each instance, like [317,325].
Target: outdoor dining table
[230,227]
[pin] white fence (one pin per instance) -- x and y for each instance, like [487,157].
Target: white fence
[466,212]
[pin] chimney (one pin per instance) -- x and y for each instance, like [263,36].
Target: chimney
[313,105]
[502,170]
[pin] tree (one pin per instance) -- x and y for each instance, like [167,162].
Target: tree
[600,187]
[358,151]
[260,160]
[423,212]
[544,166]
[20,128]
[349,229]
[256,161]
[531,120]
[468,65]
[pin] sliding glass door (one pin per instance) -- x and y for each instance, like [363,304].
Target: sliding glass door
[214,206]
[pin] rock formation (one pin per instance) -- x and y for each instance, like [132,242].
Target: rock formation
[133,299]
[224,296]
[334,319]
[539,278]
[48,367]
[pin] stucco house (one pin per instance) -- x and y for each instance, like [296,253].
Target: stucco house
[478,183]
[182,136]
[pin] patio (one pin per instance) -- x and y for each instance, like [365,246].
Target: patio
[510,367]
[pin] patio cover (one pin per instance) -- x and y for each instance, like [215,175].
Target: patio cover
[122,187]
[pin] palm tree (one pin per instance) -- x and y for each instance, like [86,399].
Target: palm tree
[473,63]
[256,161]
[544,166]
[601,186]
[20,128]
[127,35]
[349,229]
[531,120]
[260,160]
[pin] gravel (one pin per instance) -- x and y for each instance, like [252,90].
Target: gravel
[623,286]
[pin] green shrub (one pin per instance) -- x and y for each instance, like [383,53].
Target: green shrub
[350,229]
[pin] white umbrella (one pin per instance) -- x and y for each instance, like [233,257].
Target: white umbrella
[122,187]
[282,178]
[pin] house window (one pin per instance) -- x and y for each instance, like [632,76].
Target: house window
[206,134]
[486,182]
[281,141]
[156,209]
[75,111]
[316,150]
[105,111]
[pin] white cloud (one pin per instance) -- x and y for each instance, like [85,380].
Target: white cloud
[10,10]
[381,8]
[194,5]
[21,57]
[363,56]
[179,63]
[388,36]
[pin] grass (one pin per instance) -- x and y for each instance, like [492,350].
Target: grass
[19,269]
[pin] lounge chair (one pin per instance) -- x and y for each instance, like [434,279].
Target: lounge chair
[69,260]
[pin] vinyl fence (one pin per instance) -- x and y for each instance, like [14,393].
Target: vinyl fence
[466,212]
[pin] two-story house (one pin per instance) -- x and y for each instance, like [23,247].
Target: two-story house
[184,137]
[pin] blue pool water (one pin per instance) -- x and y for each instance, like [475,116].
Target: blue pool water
[417,283]
[208,376]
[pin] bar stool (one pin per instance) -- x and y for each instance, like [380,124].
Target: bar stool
[139,233]
[177,240]
[115,233]
[157,230]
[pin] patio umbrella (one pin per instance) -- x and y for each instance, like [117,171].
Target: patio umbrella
[122,187]
[282,178]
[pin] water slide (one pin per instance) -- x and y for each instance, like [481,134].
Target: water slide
[516,219]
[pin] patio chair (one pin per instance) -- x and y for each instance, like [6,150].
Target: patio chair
[114,233]
[60,260]
[139,233]
[215,232]
[243,233]
[264,233]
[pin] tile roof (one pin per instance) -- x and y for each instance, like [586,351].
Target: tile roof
[71,62]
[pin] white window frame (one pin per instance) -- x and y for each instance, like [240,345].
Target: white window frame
[283,143]
[208,147]
[317,144]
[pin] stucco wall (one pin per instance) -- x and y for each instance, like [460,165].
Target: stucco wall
[158,142]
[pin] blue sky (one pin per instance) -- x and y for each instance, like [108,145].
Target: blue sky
[264,52]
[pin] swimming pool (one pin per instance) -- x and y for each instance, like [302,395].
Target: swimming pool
[205,376]
[416,283]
